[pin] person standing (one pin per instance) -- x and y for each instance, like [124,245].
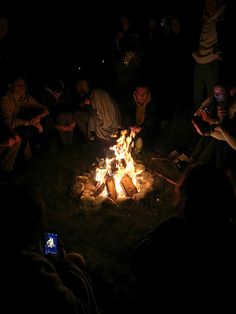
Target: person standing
[209,54]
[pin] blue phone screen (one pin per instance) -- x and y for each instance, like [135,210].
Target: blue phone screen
[50,243]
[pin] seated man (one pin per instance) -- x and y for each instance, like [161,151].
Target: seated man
[79,102]
[59,113]
[39,282]
[143,117]
[104,119]
[25,115]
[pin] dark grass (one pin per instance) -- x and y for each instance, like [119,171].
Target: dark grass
[106,234]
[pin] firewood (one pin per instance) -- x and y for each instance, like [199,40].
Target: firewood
[111,189]
[99,188]
[128,186]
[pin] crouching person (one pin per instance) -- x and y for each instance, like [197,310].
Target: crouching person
[38,283]
[23,114]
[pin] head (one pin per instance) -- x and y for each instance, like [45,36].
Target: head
[220,93]
[18,87]
[22,211]
[125,23]
[212,6]
[175,25]
[152,24]
[82,87]
[142,94]
[3,27]
[206,195]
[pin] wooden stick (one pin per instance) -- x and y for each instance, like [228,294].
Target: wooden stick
[128,186]
[99,188]
[165,178]
[111,189]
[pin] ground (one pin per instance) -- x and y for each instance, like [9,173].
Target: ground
[106,235]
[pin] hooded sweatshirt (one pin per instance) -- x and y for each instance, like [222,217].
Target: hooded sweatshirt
[208,38]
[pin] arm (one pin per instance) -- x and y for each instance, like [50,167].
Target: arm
[59,287]
[33,103]
[78,282]
[11,141]
[221,133]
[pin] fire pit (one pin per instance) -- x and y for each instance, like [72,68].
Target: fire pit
[116,178]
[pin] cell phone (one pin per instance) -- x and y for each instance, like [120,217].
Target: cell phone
[50,243]
[206,109]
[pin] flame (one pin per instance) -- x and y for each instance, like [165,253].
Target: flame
[121,164]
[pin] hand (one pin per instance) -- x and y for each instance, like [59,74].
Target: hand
[219,57]
[17,139]
[66,128]
[87,101]
[233,91]
[39,127]
[198,113]
[34,121]
[13,141]
[207,117]
[135,97]
[149,98]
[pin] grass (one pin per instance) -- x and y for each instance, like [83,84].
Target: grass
[105,235]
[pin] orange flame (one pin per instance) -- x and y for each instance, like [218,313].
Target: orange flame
[121,164]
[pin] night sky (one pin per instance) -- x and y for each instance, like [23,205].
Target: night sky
[74,31]
[59,24]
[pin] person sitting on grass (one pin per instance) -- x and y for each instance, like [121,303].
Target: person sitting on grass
[39,283]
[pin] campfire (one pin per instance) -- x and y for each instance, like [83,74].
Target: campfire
[116,177]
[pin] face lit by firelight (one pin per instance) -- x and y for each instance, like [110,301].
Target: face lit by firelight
[142,94]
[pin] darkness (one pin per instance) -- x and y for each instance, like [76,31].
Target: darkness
[63,36]
[71,31]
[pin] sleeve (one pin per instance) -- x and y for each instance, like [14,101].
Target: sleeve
[33,103]
[52,288]
[8,117]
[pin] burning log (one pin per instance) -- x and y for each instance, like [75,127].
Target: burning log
[99,188]
[111,189]
[128,186]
